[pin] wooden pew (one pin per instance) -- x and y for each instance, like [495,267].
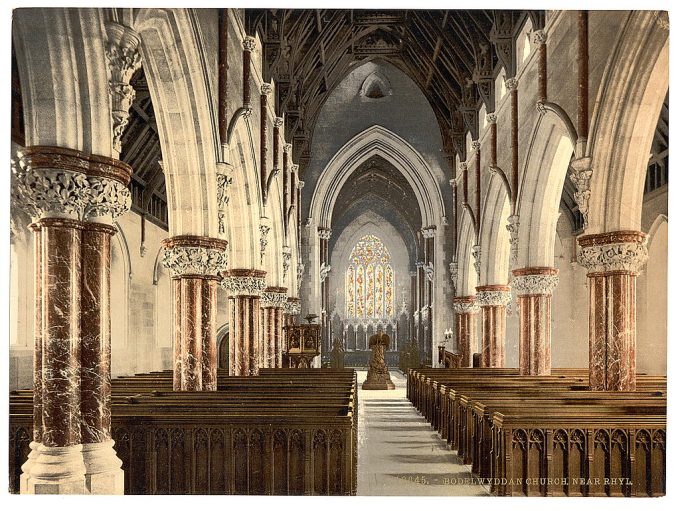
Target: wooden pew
[272,434]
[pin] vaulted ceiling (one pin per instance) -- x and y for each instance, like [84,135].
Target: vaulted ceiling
[451,54]
[376,185]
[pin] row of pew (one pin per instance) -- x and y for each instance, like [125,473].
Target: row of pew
[284,432]
[548,435]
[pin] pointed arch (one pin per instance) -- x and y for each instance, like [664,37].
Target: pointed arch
[467,276]
[494,238]
[180,90]
[541,184]
[624,119]
[378,140]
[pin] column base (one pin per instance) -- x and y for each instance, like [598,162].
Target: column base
[57,471]
[26,467]
[103,473]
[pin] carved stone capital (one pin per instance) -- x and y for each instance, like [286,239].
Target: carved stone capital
[453,269]
[278,122]
[535,281]
[122,54]
[477,255]
[325,233]
[248,43]
[224,176]
[194,255]
[294,167]
[540,107]
[511,84]
[620,251]
[429,232]
[476,146]
[513,228]
[300,271]
[274,297]
[266,89]
[539,37]
[491,118]
[493,296]
[243,282]
[465,305]
[580,173]
[462,166]
[59,182]
[264,233]
[301,184]
[287,148]
[287,255]
[247,111]
[292,306]
[429,271]
[324,270]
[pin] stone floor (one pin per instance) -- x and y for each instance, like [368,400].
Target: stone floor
[399,452]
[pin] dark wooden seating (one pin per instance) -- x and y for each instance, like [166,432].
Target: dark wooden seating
[548,435]
[280,433]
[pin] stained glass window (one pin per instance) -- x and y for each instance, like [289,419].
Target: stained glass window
[370,280]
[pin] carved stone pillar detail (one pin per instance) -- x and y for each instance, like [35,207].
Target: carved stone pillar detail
[493,301]
[286,255]
[534,287]
[513,228]
[264,233]
[613,260]
[580,173]
[273,304]
[195,263]
[466,309]
[477,256]
[73,197]
[245,288]
[122,54]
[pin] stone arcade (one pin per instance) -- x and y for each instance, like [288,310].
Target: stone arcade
[483,193]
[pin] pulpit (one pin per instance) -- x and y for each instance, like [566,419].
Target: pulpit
[303,343]
[378,377]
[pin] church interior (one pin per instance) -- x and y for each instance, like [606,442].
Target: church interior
[338,252]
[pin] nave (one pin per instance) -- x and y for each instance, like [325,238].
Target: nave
[400,453]
[214,212]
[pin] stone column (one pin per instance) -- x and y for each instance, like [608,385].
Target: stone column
[73,198]
[466,310]
[613,261]
[493,301]
[534,287]
[274,300]
[244,287]
[194,263]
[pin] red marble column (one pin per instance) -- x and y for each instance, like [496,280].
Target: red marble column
[534,287]
[195,262]
[493,301]
[613,261]
[74,197]
[466,310]
[244,287]
[273,303]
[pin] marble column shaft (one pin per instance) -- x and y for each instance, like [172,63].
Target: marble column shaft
[273,302]
[466,310]
[534,287]
[244,287]
[613,261]
[95,380]
[493,301]
[194,262]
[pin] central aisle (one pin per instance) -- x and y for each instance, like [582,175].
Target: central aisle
[399,452]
